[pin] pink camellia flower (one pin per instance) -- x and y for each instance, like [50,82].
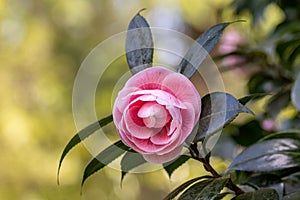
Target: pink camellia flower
[155,112]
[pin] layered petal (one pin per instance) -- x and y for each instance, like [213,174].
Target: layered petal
[156,112]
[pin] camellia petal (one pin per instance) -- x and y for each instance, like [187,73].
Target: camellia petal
[154,158]
[149,79]
[184,90]
[156,112]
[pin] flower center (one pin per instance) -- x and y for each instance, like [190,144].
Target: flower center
[154,115]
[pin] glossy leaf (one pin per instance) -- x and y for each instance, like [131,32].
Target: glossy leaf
[218,109]
[296,93]
[244,100]
[261,194]
[81,135]
[139,44]
[182,187]
[200,49]
[170,167]
[130,161]
[204,190]
[269,155]
[104,158]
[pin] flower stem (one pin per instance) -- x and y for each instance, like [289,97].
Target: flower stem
[209,168]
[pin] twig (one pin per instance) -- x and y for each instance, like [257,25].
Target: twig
[209,168]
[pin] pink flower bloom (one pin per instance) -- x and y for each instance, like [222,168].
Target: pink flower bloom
[155,112]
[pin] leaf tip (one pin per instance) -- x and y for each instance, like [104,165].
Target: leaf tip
[122,178]
[57,177]
[58,170]
[141,10]
[247,110]
[81,185]
[239,20]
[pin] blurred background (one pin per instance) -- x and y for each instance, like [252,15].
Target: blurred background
[42,44]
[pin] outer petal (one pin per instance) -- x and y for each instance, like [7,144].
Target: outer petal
[149,78]
[188,121]
[124,98]
[154,158]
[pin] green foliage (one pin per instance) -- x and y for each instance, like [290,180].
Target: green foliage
[171,166]
[218,109]
[182,187]
[248,98]
[139,44]
[261,194]
[204,190]
[104,158]
[81,135]
[131,160]
[270,155]
[251,128]
[200,49]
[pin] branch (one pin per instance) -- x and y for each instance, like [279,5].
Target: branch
[196,155]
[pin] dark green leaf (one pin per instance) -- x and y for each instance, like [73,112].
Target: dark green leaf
[293,196]
[182,187]
[278,102]
[104,158]
[200,49]
[170,167]
[204,190]
[296,93]
[139,44]
[283,135]
[218,109]
[288,49]
[261,194]
[248,133]
[294,55]
[262,180]
[286,28]
[269,155]
[81,135]
[130,161]
[256,96]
